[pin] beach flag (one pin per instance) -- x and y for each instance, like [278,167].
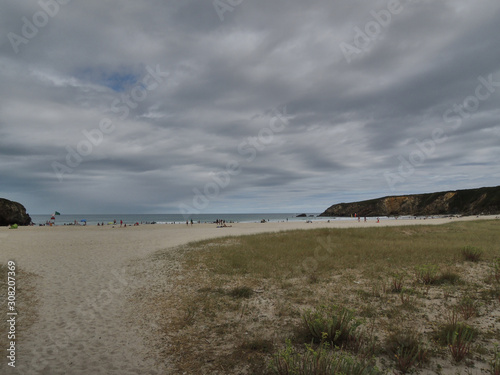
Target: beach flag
[56,213]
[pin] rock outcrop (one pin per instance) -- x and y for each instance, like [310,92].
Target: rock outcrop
[13,213]
[461,202]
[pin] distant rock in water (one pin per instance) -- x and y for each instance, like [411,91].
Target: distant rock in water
[13,213]
[301,215]
[484,201]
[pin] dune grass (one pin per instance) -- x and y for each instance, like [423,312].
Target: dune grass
[378,274]
[293,253]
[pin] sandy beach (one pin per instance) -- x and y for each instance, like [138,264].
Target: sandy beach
[83,321]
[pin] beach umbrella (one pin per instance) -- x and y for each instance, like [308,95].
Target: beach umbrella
[83,221]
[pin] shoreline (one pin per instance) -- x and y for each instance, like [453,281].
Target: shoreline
[310,223]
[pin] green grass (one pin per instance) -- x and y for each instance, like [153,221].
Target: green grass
[323,251]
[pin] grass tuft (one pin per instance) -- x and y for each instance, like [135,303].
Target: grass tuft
[495,362]
[397,282]
[496,270]
[472,254]
[427,274]
[460,341]
[468,308]
[319,361]
[407,350]
[333,324]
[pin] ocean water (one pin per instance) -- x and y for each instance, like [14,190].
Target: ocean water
[171,218]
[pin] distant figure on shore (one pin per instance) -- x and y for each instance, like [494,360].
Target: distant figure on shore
[365,218]
[121,223]
[359,219]
[378,220]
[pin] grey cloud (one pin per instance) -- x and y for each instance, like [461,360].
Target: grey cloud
[347,122]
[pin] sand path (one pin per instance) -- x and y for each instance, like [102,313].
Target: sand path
[85,276]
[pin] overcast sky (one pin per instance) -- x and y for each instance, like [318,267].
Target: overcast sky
[122,106]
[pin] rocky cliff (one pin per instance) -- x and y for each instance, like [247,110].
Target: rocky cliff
[461,202]
[13,213]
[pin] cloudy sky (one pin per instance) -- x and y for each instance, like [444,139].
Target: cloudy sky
[121,106]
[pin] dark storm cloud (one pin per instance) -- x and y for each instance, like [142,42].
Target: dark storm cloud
[188,93]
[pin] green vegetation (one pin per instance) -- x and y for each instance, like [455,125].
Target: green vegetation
[304,293]
[471,253]
[460,340]
[407,349]
[495,362]
[332,324]
[318,361]
[427,274]
[241,292]
[294,253]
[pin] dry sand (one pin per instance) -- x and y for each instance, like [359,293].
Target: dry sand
[83,321]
